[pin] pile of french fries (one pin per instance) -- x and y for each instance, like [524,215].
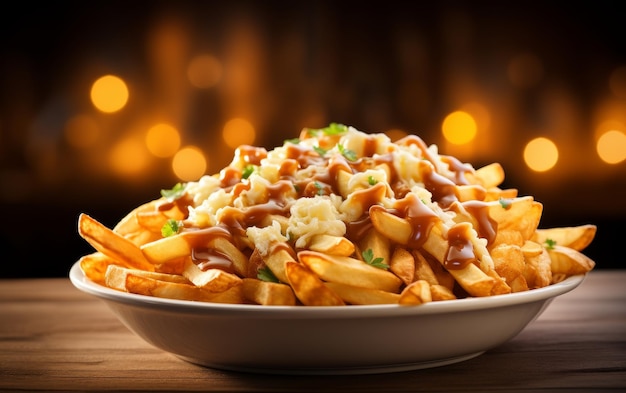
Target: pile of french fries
[336,217]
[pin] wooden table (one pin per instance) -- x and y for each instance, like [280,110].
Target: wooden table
[54,337]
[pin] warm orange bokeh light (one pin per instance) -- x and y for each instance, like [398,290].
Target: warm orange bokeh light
[459,128]
[163,140]
[611,147]
[128,157]
[238,132]
[82,131]
[189,163]
[204,71]
[109,94]
[541,154]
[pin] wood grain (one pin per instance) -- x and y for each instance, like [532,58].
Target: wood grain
[54,337]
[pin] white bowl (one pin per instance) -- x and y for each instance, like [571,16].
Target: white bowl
[326,340]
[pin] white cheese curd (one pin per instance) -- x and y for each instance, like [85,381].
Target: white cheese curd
[314,216]
[263,238]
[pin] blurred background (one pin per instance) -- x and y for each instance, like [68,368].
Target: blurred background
[104,103]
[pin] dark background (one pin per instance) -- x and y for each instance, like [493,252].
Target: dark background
[373,65]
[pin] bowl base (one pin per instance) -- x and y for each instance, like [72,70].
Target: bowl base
[377,369]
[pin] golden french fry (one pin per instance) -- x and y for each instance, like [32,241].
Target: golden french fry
[416,293]
[166,249]
[424,270]
[491,175]
[111,243]
[471,192]
[359,295]
[577,238]
[538,269]
[142,237]
[402,264]
[507,237]
[213,280]
[531,249]
[496,194]
[268,293]
[440,292]
[173,290]
[394,228]
[152,221]
[521,214]
[377,243]
[277,259]
[509,263]
[350,271]
[334,245]
[309,289]
[129,223]
[568,261]
[94,266]
[115,276]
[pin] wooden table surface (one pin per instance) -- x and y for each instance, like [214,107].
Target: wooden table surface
[54,337]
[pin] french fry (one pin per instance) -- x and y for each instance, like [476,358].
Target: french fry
[350,271]
[359,295]
[268,293]
[111,243]
[568,261]
[416,293]
[577,237]
[333,245]
[115,276]
[424,270]
[537,269]
[509,264]
[491,175]
[95,265]
[277,260]
[309,289]
[212,280]
[377,243]
[403,265]
[172,290]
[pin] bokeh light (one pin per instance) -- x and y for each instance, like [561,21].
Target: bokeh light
[204,71]
[189,163]
[541,154]
[129,157]
[611,147]
[163,140]
[238,132]
[109,94]
[459,128]
[82,131]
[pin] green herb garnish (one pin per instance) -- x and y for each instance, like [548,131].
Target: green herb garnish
[265,274]
[247,171]
[320,188]
[368,257]
[505,203]
[550,244]
[347,153]
[371,180]
[171,227]
[320,151]
[175,192]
